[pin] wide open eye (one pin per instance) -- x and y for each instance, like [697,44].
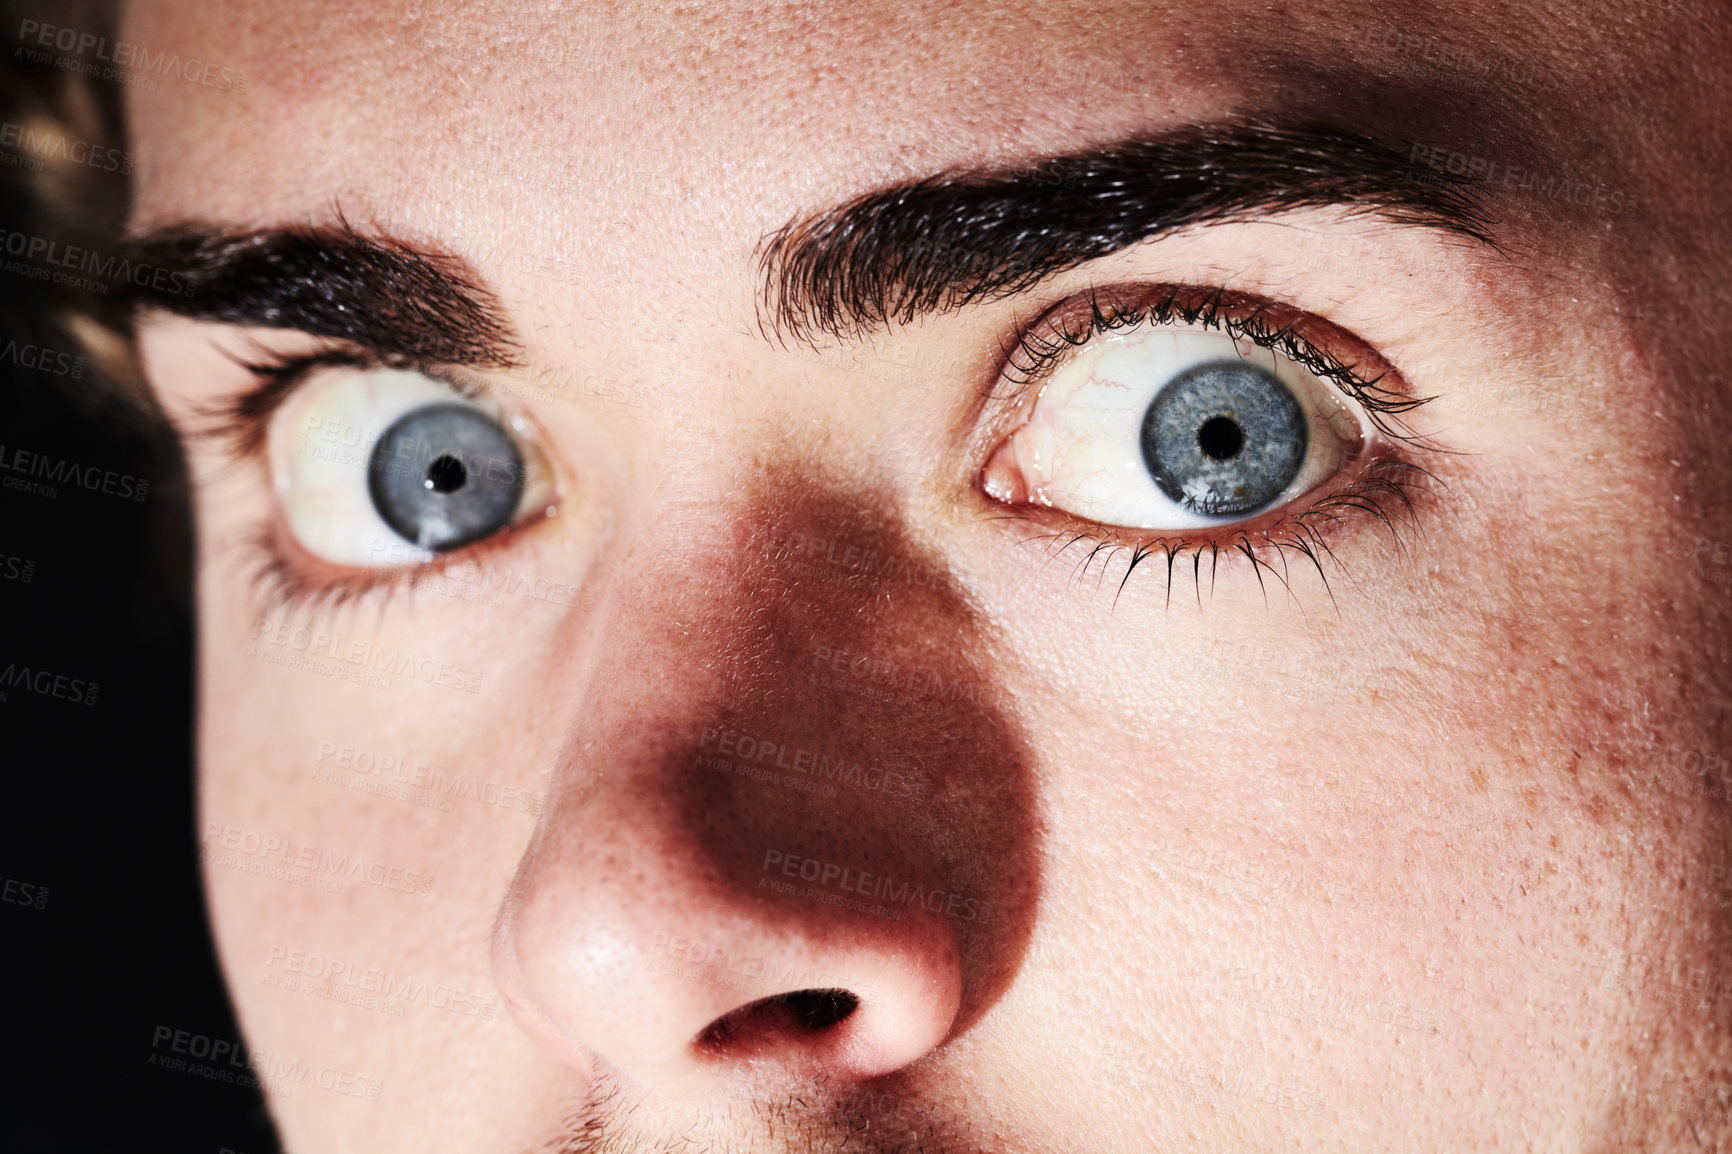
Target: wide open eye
[382,467]
[1167,426]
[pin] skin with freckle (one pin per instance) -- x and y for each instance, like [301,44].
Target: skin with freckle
[1410,849]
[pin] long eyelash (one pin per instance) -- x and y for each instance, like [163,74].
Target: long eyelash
[277,584]
[1387,488]
[241,423]
[1041,346]
[274,581]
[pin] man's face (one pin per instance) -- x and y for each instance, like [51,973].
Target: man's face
[719,663]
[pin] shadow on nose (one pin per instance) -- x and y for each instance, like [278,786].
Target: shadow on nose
[796,823]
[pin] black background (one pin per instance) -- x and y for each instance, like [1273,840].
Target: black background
[98,799]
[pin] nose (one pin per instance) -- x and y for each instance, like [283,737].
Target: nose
[792,832]
[651,945]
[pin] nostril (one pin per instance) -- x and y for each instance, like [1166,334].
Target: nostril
[803,1012]
[821,1009]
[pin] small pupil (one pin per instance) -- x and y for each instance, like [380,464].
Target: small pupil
[1220,438]
[446,474]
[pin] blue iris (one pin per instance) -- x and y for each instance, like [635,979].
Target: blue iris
[1224,438]
[444,475]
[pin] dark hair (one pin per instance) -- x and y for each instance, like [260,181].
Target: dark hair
[106,931]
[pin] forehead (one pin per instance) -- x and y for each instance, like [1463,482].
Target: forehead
[607,104]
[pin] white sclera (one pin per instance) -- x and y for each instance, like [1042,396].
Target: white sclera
[321,441]
[1081,449]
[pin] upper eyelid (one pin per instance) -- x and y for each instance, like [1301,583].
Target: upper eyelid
[1126,305]
[241,423]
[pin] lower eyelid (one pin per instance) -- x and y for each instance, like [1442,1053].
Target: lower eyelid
[282,576]
[1386,494]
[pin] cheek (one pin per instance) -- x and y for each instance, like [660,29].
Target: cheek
[1294,861]
[354,809]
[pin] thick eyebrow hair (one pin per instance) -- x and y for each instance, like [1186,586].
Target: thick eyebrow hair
[950,240]
[330,281]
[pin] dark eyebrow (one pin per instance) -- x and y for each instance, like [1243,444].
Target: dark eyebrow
[960,237]
[381,294]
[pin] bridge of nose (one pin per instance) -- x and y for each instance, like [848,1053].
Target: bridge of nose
[791,789]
